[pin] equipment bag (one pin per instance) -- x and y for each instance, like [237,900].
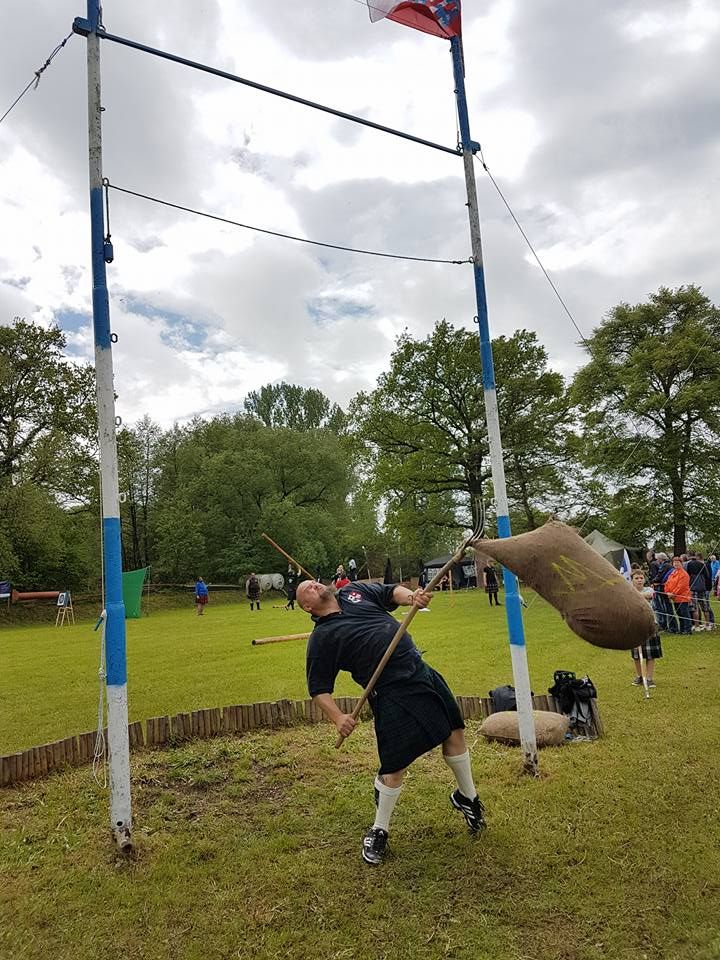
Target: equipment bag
[503,698]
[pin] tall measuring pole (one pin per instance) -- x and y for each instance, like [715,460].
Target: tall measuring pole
[116,669]
[513,612]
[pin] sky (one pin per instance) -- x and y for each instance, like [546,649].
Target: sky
[599,121]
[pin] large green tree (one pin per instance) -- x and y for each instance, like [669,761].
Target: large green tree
[48,471]
[47,410]
[228,480]
[425,434]
[650,400]
[298,408]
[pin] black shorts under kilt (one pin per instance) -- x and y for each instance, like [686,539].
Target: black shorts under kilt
[412,716]
[651,649]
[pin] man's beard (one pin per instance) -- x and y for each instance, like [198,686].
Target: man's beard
[328,593]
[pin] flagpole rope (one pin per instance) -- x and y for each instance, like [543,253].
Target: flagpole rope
[276,233]
[36,77]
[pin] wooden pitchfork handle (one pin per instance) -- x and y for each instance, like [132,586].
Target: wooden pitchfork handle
[401,630]
[294,562]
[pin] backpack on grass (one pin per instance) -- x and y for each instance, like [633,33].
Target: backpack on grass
[573,696]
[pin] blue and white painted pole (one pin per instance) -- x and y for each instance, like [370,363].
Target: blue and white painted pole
[116,669]
[513,612]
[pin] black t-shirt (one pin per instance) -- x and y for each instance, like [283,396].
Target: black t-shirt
[356,638]
[699,579]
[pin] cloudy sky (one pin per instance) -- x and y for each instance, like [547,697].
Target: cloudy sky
[600,121]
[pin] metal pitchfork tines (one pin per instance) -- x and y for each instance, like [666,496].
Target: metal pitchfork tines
[407,619]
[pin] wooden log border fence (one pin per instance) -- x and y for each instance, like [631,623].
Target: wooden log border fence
[37,762]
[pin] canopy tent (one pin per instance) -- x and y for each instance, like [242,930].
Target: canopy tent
[611,549]
[463,573]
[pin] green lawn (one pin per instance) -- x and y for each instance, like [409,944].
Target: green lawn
[249,847]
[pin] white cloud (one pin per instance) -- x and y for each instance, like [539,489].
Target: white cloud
[598,122]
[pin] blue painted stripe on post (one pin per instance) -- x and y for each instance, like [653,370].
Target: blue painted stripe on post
[513,610]
[463,115]
[101,304]
[114,606]
[503,526]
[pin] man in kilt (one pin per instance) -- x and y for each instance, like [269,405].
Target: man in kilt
[413,707]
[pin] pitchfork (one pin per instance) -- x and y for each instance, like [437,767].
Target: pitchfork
[407,619]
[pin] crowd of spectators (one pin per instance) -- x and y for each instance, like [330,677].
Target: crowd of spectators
[681,591]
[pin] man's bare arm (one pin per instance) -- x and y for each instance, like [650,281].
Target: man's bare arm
[345,723]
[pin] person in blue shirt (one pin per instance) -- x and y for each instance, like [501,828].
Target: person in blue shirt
[413,707]
[201,595]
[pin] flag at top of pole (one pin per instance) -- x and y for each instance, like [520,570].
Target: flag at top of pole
[440,18]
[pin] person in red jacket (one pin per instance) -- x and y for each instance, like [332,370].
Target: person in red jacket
[677,587]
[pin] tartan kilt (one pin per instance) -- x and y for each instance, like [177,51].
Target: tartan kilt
[412,716]
[652,649]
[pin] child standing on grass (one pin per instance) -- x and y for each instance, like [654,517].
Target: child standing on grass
[201,595]
[652,648]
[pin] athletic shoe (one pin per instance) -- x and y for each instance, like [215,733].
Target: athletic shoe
[637,681]
[472,810]
[374,846]
[651,683]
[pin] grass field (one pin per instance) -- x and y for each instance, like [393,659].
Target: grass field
[249,847]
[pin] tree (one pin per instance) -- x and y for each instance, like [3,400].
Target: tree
[47,444]
[649,397]
[298,408]
[47,411]
[137,463]
[425,434]
[237,478]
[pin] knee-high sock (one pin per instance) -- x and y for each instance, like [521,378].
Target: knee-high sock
[462,771]
[386,798]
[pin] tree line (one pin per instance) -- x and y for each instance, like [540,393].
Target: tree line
[629,445]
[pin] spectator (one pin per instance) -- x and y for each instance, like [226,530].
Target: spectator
[700,585]
[677,587]
[201,595]
[651,648]
[662,604]
[490,582]
[652,564]
[293,576]
[352,569]
[252,589]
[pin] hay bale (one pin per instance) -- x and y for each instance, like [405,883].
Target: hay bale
[550,728]
[593,598]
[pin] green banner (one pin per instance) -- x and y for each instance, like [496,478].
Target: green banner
[132,586]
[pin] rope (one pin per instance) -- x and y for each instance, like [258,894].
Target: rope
[276,233]
[481,160]
[644,436]
[36,78]
[100,754]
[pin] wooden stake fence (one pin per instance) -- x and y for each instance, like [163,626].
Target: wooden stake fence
[37,762]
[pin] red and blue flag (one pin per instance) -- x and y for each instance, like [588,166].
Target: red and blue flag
[440,18]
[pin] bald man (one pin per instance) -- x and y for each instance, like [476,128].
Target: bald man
[413,706]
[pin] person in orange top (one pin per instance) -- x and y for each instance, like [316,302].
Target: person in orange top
[677,587]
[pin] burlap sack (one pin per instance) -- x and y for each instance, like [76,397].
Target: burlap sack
[550,728]
[594,599]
